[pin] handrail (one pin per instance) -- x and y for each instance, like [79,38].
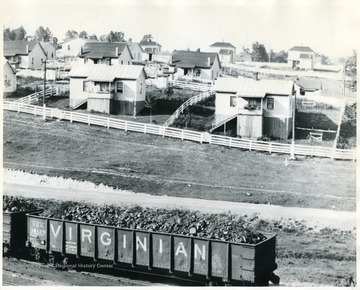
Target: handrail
[187,103]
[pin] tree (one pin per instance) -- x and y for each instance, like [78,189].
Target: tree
[115,36]
[103,37]
[93,37]
[20,33]
[146,38]
[325,59]
[14,34]
[259,52]
[83,34]
[71,34]
[43,34]
[7,34]
[279,57]
[351,71]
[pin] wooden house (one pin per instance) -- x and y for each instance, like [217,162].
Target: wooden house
[150,48]
[110,53]
[9,78]
[118,89]
[196,64]
[301,57]
[28,54]
[260,107]
[136,52]
[226,51]
[71,48]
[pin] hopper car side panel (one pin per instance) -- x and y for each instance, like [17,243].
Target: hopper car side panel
[205,258]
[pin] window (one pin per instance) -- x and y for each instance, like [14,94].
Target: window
[104,87]
[86,86]
[233,101]
[140,88]
[122,62]
[270,103]
[139,55]
[68,47]
[119,87]
[52,55]
[253,104]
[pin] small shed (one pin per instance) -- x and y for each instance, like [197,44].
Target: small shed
[9,78]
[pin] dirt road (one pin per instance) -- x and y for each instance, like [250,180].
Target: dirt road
[316,218]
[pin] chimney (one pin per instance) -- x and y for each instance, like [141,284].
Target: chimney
[116,51]
[130,40]
[208,61]
[27,48]
[256,76]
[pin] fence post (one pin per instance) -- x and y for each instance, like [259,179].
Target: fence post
[163,133]
[125,126]
[270,147]
[51,113]
[250,143]
[201,137]
[108,123]
[89,120]
[34,111]
[71,117]
[144,128]
[210,139]
[182,134]
[18,107]
[230,142]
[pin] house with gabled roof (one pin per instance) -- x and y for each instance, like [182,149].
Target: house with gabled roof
[255,107]
[71,48]
[226,51]
[28,54]
[301,57]
[118,89]
[150,48]
[136,52]
[9,78]
[196,64]
[109,53]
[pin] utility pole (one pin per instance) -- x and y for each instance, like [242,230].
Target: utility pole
[44,110]
[292,150]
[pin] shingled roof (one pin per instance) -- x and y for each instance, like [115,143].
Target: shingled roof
[222,44]
[99,49]
[193,59]
[18,47]
[149,43]
[302,48]
[250,88]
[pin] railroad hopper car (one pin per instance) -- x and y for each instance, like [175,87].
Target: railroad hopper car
[14,232]
[212,261]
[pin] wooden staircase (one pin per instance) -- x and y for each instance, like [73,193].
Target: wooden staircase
[189,102]
[217,124]
[82,102]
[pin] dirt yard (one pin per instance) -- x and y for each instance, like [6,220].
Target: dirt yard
[165,166]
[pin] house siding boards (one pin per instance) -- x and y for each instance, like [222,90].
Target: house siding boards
[130,101]
[234,96]
[203,65]
[28,54]
[71,48]
[226,51]
[110,53]
[302,57]
[9,78]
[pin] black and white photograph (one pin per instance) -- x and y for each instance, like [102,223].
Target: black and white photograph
[173,143]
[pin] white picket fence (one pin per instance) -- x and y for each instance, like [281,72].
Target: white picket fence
[201,137]
[203,87]
[50,91]
[193,100]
